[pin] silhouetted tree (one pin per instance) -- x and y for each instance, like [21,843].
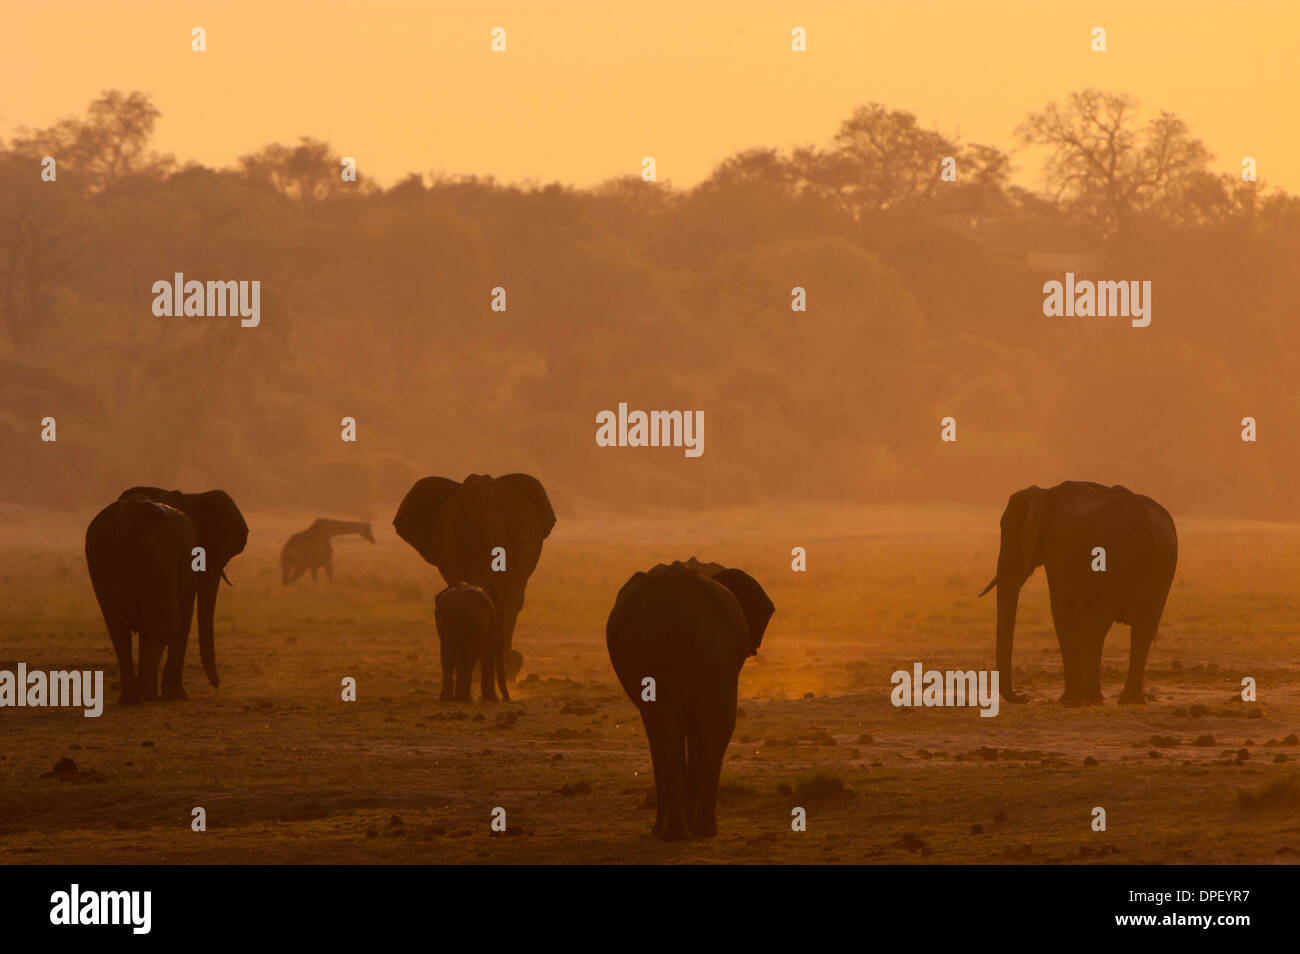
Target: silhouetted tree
[38,247]
[307,172]
[883,159]
[378,307]
[110,144]
[1104,166]
[760,166]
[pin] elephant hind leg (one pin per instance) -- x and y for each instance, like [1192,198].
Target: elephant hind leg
[667,736]
[1143,634]
[487,675]
[152,642]
[706,743]
[172,688]
[121,637]
[492,655]
[514,661]
[500,668]
[461,661]
[1093,638]
[449,674]
[464,671]
[175,665]
[658,767]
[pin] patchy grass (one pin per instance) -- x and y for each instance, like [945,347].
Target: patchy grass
[731,793]
[1281,792]
[289,773]
[819,786]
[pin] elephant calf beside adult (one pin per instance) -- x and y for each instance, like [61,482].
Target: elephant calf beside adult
[1110,556]
[467,634]
[677,637]
[484,530]
[139,550]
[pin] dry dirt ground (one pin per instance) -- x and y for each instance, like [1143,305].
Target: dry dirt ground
[287,772]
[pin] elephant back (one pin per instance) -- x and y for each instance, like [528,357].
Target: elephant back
[483,515]
[138,549]
[141,529]
[464,603]
[673,614]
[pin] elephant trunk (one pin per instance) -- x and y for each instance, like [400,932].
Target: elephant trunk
[1008,585]
[208,585]
[1008,599]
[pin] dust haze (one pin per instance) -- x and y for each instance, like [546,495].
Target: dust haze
[924,302]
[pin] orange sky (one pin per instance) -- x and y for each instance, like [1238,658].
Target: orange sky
[588,87]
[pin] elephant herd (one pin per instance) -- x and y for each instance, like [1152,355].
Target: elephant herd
[678,634]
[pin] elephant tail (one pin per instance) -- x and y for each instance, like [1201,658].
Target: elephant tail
[992,583]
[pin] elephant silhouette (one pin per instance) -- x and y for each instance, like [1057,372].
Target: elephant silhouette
[678,636]
[139,554]
[466,528]
[1061,529]
[467,633]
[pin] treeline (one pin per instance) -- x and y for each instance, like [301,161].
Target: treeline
[924,300]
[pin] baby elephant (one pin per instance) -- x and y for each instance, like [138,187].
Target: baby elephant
[467,629]
[677,637]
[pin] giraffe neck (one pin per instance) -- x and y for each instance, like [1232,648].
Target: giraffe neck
[335,528]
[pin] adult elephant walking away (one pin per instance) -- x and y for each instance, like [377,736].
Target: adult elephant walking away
[1110,556]
[485,530]
[678,636]
[139,553]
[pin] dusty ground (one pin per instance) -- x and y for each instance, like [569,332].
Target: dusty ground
[289,773]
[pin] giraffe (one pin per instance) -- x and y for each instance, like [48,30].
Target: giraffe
[310,550]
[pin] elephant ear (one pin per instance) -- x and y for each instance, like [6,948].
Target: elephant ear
[530,488]
[758,609]
[221,528]
[1031,506]
[1035,525]
[417,517]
